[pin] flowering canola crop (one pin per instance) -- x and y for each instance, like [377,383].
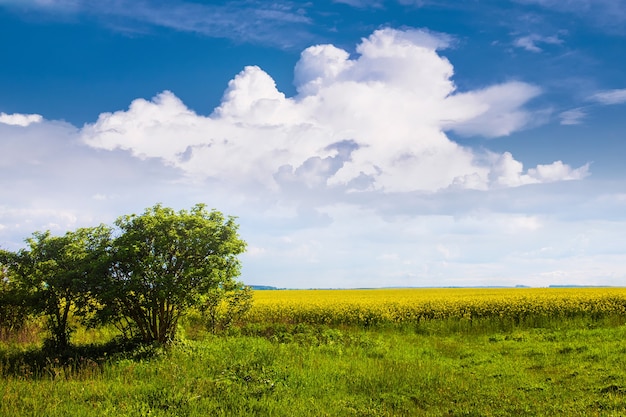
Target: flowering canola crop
[415,305]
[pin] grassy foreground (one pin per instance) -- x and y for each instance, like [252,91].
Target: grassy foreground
[568,366]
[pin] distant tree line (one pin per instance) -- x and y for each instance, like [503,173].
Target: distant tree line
[142,275]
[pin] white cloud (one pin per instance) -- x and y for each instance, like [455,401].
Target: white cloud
[493,111]
[22,219]
[531,42]
[49,179]
[41,3]
[479,247]
[276,23]
[508,172]
[428,212]
[523,223]
[504,236]
[608,97]
[17,119]
[362,3]
[376,122]
[607,15]
[573,116]
[557,171]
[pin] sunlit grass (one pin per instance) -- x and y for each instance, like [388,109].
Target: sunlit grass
[572,366]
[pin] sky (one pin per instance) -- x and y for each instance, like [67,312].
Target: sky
[360,143]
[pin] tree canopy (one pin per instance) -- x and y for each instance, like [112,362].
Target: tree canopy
[164,261]
[54,274]
[142,274]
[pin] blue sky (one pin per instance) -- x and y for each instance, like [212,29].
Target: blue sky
[360,143]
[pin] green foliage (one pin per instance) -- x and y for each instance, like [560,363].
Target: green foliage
[225,304]
[159,264]
[14,309]
[164,262]
[54,276]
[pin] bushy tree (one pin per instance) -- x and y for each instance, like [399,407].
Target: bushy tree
[54,276]
[14,308]
[163,262]
[225,304]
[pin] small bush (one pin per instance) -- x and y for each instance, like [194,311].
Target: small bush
[225,306]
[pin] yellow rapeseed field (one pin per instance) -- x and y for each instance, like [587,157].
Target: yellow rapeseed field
[389,306]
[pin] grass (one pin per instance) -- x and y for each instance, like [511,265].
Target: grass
[572,368]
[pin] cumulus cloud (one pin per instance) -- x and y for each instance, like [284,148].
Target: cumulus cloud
[494,111]
[508,172]
[609,97]
[374,122]
[17,119]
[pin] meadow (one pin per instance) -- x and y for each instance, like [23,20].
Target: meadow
[396,352]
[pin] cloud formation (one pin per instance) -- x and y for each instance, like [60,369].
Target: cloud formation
[354,181]
[17,119]
[280,24]
[531,42]
[377,121]
[573,116]
[607,15]
[362,3]
[50,180]
[609,97]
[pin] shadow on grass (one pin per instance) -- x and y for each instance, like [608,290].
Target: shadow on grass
[72,361]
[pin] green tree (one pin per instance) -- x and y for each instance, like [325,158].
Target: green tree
[164,262]
[55,276]
[225,304]
[14,308]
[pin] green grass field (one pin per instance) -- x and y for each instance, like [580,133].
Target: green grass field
[574,367]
